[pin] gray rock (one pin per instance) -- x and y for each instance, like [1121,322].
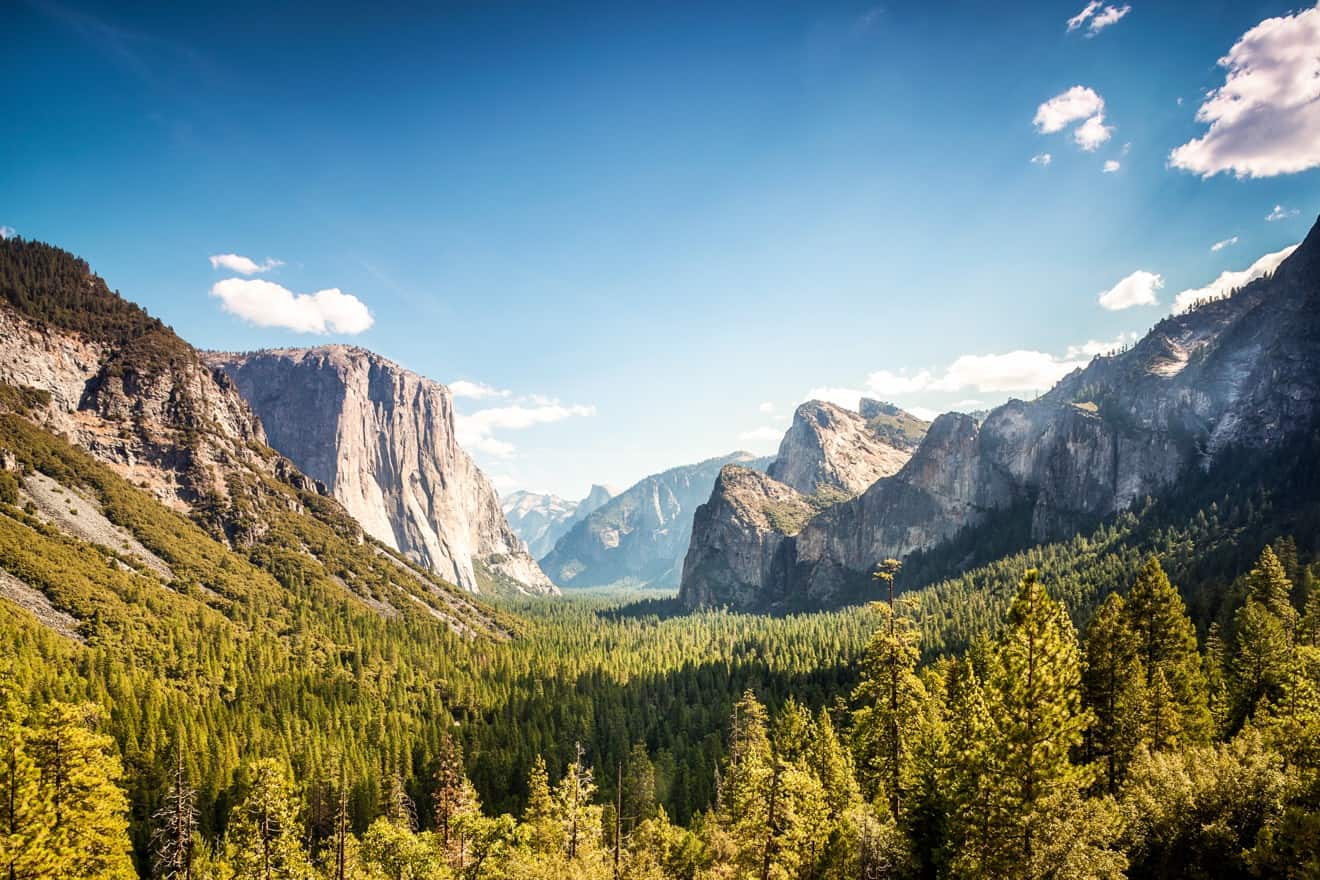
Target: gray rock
[381,438]
[540,520]
[828,446]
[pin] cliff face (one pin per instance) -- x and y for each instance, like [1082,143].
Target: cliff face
[639,536]
[828,446]
[382,439]
[540,520]
[1239,373]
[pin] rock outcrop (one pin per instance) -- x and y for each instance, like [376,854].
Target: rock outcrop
[382,439]
[540,520]
[829,447]
[1239,373]
[639,537]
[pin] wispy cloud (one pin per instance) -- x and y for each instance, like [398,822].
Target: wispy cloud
[476,431]
[1110,166]
[1098,17]
[1220,245]
[267,304]
[1280,213]
[243,265]
[1265,119]
[476,390]
[1137,289]
[1229,281]
[1042,159]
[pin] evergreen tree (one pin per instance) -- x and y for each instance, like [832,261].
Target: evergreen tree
[175,826]
[1166,642]
[1113,688]
[973,771]
[26,814]
[579,818]
[264,834]
[454,798]
[80,773]
[639,794]
[539,823]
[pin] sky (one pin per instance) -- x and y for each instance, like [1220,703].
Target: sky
[632,236]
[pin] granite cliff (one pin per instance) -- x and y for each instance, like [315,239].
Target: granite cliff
[540,519]
[382,439]
[1237,373]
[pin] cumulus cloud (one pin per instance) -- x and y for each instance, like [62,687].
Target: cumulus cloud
[1220,245]
[1092,133]
[243,265]
[1265,119]
[1099,18]
[1011,371]
[1056,114]
[267,304]
[1229,281]
[1280,213]
[476,431]
[1092,347]
[7,232]
[889,384]
[1137,289]
[476,390]
[1042,159]
[1110,166]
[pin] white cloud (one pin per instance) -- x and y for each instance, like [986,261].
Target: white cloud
[1092,133]
[267,304]
[476,430]
[1020,370]
[925,413]
[1108,16]
[1042,159]
[243,265]
[969,403]
[1137,289]
[1056,114]
[768,408]
[1099,18]
[1280,213]
[889,384]
[476,390]
[1265,119]
[1220,245]
[1080,18]
[7,232]
[1110,166]
[1229,281]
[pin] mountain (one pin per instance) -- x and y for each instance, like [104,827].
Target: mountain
[639,536]
[382,439]
[540,519]
[829,447]
[1231,376]
[829,454]
[142,484]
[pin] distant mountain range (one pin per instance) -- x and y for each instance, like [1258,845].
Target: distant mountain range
[1235,376]
[540,520]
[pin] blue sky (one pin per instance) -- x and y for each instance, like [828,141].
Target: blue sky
[651,229]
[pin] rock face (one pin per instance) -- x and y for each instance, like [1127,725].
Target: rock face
[638,537]
[828,446]
[382,439]
[540,520]
[739,545]
[1234,374]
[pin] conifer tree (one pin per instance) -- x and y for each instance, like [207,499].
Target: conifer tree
[80,772]
[1113,687]
[639,794]
[972,774]
[580,819]
[1166,640]
[175,825]
[264,833]
[539,822]
[26,814]
[454,799]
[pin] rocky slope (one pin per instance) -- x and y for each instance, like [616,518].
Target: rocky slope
[638,537]
[382,439]
[1234,374]
[124,441]
[829,447]
[540,520]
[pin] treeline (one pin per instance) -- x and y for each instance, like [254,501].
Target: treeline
[1127,751]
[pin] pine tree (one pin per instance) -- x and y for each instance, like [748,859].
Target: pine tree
[1269,585]
[1261,658]
[974,836]
[639,795]
[539,822]
[580,819]
[264,833]
[832,765]
[454,799]
[26,814]
[1113,687]
[1035,700]
[80,772]
[1166,641]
